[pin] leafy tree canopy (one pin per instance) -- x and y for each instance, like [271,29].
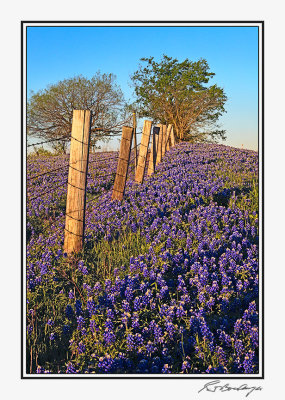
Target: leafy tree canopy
[49,111]
[172,92]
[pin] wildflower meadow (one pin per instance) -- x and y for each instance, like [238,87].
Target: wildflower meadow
[168,278]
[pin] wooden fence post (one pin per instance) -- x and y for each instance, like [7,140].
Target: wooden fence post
[152,158]
[77,178]
[143,152]
[159,145]
[168,137]
[163,140]
[123,163]
[172,137]
[135,138]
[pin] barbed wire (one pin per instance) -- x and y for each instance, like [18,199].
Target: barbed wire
[63,183]
[130,169]
[44,193]
[98,195]
[68,138]
[87,202]
[135,146]
[48,172]
[48,141]
[70,165]
[104,176]
[53,222]
[69,183]
[105,159]
[132,159]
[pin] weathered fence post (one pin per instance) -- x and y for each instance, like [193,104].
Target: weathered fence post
[159,145]
[123,163]
[163,140]
[77,178]
[168,137]
[172,137]
[156,130]
[143,152]
[152,158]
[135,138]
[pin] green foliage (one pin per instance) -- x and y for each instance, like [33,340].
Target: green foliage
[40,152]
[49,111]
[177,92]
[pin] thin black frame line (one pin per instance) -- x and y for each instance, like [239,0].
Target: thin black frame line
[262,178]
[143,21]
[141,26]
[209,377]
[262,198]
[22,204]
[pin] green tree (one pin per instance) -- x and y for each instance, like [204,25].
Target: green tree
[49,111]
[172,92]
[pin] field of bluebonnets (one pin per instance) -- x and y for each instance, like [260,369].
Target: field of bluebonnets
[167,282]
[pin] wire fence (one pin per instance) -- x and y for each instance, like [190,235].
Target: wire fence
[67,139]
[104,170]
[48,141]
[101,162]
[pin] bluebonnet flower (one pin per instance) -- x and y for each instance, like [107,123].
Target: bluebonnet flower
[158,334]
[110,314]
[186,365]
[129,293]
[239,347]
[82,268]
[93,326]
[168,243]
[91,307]
[134,341]
[78,307]
[221,355]
[97,288]
[80,322]
[81,348]
[216,271]
[109,336]
[238,326]
[254,336]
[137,304]
[252,307]
[105,364]
[248,362]
[210,370]
[180,311]
[109,324]
[170,329]
[70,368]
[163,292]
[150,348]
[69,311]
[135,321]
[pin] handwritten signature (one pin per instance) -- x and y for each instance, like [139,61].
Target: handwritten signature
[214,386]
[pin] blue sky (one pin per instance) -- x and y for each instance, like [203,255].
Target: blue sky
[57,53]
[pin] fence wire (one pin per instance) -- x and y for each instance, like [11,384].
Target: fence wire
[103,194]
[48,141]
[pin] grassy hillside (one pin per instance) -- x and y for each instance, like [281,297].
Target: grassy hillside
[168,278]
